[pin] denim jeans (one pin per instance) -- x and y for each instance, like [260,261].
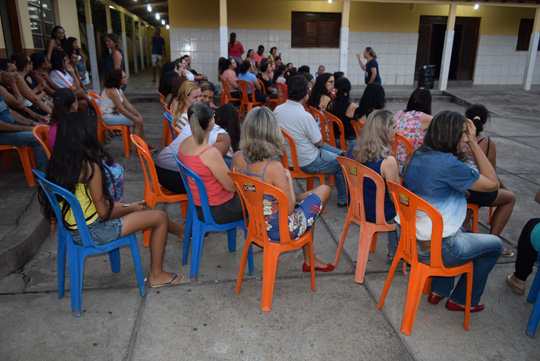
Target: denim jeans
[26,139]
[326,162]
[119,119]
[482,249]
[393,237]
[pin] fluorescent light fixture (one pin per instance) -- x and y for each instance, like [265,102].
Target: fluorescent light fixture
[329,1]
[111,7]
[162,21]
[476,6]
[157,16]
[149,8]
[167,26]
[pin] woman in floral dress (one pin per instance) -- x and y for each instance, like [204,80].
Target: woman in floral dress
[261,140]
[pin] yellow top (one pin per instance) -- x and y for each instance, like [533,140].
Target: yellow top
[87,205]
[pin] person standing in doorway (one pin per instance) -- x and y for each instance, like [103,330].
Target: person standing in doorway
[371,67]
[158,52]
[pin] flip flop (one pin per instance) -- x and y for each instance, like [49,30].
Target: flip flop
[177,278]
[507,252]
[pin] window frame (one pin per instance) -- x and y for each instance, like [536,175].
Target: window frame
[319,22]
[41,31]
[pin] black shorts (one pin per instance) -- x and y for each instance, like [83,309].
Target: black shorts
[171,180]
[230,211]
[482,199]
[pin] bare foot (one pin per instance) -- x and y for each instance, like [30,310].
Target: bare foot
[177,228]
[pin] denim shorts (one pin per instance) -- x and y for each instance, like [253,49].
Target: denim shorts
[102,232]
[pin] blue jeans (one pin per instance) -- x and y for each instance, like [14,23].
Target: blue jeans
[393,237]
[26,139]
[326,162]
[482,249]
[119,119]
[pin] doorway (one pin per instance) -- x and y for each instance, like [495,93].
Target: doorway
[431,33]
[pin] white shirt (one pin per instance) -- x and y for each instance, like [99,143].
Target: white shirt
[62,80]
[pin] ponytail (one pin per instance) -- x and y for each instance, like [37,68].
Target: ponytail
[200,115]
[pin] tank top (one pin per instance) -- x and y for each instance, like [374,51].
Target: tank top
[106,104]
[87,205]
[408,125]
[216,193]
[370,193]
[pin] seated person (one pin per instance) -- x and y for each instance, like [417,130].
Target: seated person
[171,100]
[63,76]
[265,77]
[261,141]
[344,109]
[374,150]
[11,94]
[198,77]
[116,109]
[527,253]
[189,93]
[171,70]
[321,92]
[246,75]
[229,74]
[314,156]
[208,90]
[435,173]
[279,75]
[40,72]
[372,99]
[16,130]
[196,154]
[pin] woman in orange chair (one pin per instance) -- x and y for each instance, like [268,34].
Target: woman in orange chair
[81,171]
[189,93]
[435,171]
[208,163]
[374,150]
[260,141]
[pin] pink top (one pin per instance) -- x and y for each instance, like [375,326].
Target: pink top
[236,50]
[231,78]
[216,193]
[258,57]
[408,125]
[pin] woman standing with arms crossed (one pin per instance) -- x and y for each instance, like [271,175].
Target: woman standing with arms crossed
[371,67]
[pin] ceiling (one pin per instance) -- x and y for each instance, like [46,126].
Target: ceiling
[138,7]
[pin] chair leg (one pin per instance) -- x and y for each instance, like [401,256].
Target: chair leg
[309,184]
[364,243]
[184,206]
[373,245]
[231,239]
[76,264]
[114,258]
[312,265]
[427,286]
[532,325]
[343,236]
[187,236]
[127,143]
[270,261]
[196,251]
[241,270]
[468,300]
[137,263]
[24,154]
[251,268]
[414,293]
[535,288]
[388,280]
[61,263]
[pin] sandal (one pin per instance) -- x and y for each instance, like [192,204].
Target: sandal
[507,252]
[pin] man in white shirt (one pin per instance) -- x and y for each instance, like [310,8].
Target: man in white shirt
[319,71]
[314,156]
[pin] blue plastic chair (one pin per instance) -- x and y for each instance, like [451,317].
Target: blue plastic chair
[533,297]
[169,117]
[76,253]
[199,228]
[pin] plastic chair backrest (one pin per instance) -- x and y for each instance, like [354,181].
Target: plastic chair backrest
[189,177]
[168,115]
[282,92]
[357,124]
[252,193]
[331,119]
[95,98]
[52,192]
[356,174]
[294,158]
[244,86]
[261,84]
[149,169]
[407,205]
[319,116]
[41,132]
[404,142]
[161,96]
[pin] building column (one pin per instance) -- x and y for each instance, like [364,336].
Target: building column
[344,42]
[108,18]
[141,44]
[531,55]
[223,29]
[134,42]
[447,49]
[124,42]
[92,47]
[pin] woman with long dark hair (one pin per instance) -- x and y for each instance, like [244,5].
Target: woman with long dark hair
[321,92]
[436,172]
[57,42]
[372,99]
[64,102]
[76,164]
[115,60]
[342,108]
[235,49]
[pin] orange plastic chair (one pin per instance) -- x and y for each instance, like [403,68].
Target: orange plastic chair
[251,192]
[407,205]
[245,103]
[27,159]
[331,119]
[226,92]
[102,127]
[273,102]
[400,139]
[282,93]
[357,125]
[153,191]
[161,96]
[355,173]
[41,132]
[319,116]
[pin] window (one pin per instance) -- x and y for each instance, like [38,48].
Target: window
[524,34]
[315,30]
[42,21]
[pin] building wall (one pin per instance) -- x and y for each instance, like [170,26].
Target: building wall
[390,28]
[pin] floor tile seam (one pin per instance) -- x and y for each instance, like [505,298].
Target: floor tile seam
[130,352]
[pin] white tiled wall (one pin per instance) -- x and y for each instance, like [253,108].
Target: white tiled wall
[498,62]
[396,55]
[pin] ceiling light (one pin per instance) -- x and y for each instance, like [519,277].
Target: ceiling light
[111,7]
[167,26]
[476,6]
[162,21]
[157,16]
[329,1]
[149,8]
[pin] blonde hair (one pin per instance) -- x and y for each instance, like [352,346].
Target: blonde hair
[373,141]
[183,93]
[200,116]
[261,136]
